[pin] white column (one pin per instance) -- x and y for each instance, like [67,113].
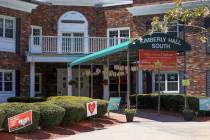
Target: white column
[59,43]
[86,46]
[79,82]
[32,79]
[140,81]
[69,75]
[106,87]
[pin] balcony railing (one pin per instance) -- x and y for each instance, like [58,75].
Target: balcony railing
[71,45]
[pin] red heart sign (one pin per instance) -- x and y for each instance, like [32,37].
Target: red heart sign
[91,107]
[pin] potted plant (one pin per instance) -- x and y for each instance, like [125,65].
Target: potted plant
[129,113]
[188,114]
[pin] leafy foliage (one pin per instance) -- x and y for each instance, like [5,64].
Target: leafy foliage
[51,115]
[178,15]
[12,109]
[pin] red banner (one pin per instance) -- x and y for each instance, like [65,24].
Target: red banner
[154,60]
[20,121]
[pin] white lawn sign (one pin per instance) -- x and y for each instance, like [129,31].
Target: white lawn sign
[91,108]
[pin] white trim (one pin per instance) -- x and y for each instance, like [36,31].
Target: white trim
[92,3]
[8,44]
[158,8]
[3,92]
[40,83]
[36,27]
[166,81]
[118,29]
[52,58]
[18,5]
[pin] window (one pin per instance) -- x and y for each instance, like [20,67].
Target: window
[36,34]
[118,35]
[7,81]
[7,27]
[38,82]
[169,82]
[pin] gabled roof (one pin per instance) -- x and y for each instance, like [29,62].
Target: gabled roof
[18,5]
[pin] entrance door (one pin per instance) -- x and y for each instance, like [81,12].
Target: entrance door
[61,82]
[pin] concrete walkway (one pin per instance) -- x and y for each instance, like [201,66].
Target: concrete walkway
[150,129]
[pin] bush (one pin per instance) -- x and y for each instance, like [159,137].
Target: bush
[102,105]
[26,99]
[12,109]
[51,115]
[169,102]
[74,111]
[2,117]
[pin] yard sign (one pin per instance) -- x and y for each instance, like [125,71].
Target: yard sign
[114,103]
[20,121]
[204,104]
[91,108]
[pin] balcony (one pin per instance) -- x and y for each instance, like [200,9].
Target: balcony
[71,45]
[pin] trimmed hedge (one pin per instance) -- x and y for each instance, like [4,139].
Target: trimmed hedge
[102,107]
[12,109]
[102,104]
[168,102]
[2,117]
[51,115]
[74,111]
[26,99]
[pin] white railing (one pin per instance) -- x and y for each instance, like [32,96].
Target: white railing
[71,45]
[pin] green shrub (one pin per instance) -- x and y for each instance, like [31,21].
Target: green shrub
[102,107]
[2,117]
[51,115]
[74,111]
[26,99]
[169,102]
[12,109]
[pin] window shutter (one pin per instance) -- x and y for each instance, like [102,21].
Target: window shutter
[208,83]
[17,82]
[18,35]
[181,77]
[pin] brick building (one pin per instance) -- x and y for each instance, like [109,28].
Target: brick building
[39,39]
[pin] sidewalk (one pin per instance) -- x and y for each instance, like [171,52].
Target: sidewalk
[148,129]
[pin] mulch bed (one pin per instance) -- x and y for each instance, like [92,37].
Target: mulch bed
[67,130]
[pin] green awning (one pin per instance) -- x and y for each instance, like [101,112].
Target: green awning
[103,53]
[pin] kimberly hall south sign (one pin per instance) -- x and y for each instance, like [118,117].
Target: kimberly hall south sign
[163,42]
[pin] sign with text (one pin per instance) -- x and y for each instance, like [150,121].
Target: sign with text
[164,42]
[204,104]
[167,60]
[91,108]
[114,103]
[20,121]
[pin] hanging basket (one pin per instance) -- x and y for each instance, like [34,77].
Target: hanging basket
[72,82]
[105,82]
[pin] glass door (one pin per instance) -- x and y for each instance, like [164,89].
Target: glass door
[73,42]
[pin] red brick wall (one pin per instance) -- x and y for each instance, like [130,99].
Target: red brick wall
[15,61]
[48,16]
